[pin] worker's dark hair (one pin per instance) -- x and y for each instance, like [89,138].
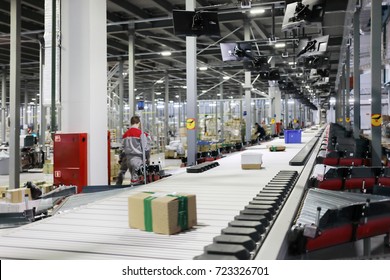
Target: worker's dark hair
[135,120]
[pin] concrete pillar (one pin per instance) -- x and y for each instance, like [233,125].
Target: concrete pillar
[84,79]
[3,106]
[376,66]
[15,53]
[248,86]
[356,74]
[192,89]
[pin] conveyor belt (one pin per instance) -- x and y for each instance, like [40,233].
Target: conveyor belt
[99,230]
[331,200]
[328,218]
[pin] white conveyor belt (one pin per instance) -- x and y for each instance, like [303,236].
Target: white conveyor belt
[99,230]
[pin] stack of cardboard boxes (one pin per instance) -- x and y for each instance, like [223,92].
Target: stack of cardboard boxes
[161,212]
[48,167]
[114,164]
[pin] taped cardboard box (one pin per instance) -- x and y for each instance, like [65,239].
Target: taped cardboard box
[162,213]
[17,195]
[279,148]
[251,160]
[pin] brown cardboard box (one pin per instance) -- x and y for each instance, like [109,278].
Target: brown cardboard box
[45,188]
[3,190]
[164,212]
[17,195]
[251,166]
[251,160]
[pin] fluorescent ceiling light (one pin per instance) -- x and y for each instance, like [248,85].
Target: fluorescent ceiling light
[226,77]
[204,91]
[177,96]
[257,11]
[292,63]
[184,86]
[218,94]
[159,82]
[166,53]
[280,45]
[157,93]
[203,68]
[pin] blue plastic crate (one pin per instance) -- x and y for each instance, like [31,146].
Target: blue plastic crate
[292,136]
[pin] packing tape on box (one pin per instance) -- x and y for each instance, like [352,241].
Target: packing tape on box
[182,220]
[183,211]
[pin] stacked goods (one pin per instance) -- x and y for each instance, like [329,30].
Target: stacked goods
[232,130]
[162,213]
[45,188]
[48,167]
[17,195]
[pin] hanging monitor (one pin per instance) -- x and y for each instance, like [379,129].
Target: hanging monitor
[315,47]
[191,23]
[258,64]
[315,62]
[236,51]
[299,14]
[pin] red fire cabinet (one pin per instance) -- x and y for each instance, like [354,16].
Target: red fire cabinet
[70,160]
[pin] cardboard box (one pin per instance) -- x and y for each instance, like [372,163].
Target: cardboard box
[17,195]
[46,188]
[170,154]
[159,212]
[251,160]
[278,148]
[6,207]
[48,168]
[3,190]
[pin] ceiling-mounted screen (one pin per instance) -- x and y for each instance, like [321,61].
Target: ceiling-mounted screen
[315,47]
[299,14]
[258,64]
[190,23]
[236,51]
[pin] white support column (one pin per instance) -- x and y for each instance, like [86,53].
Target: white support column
[356,74]
[25,117]
[192,89]
[42,117]
[285,111]
[3,106]
[221,105]
[121,105]
[166,109]
[247,86]
[376,65]
[14,164]
[131,70]
[84,79]
[347,89]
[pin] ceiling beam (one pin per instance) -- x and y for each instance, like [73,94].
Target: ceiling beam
[131,9]
[164,5]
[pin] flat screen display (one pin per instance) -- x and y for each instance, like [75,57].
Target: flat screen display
[191,23]
[236,51]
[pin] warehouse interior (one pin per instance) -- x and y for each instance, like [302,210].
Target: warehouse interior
[201,74]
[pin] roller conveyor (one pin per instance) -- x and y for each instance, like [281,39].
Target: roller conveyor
[329,218]
[99,230]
